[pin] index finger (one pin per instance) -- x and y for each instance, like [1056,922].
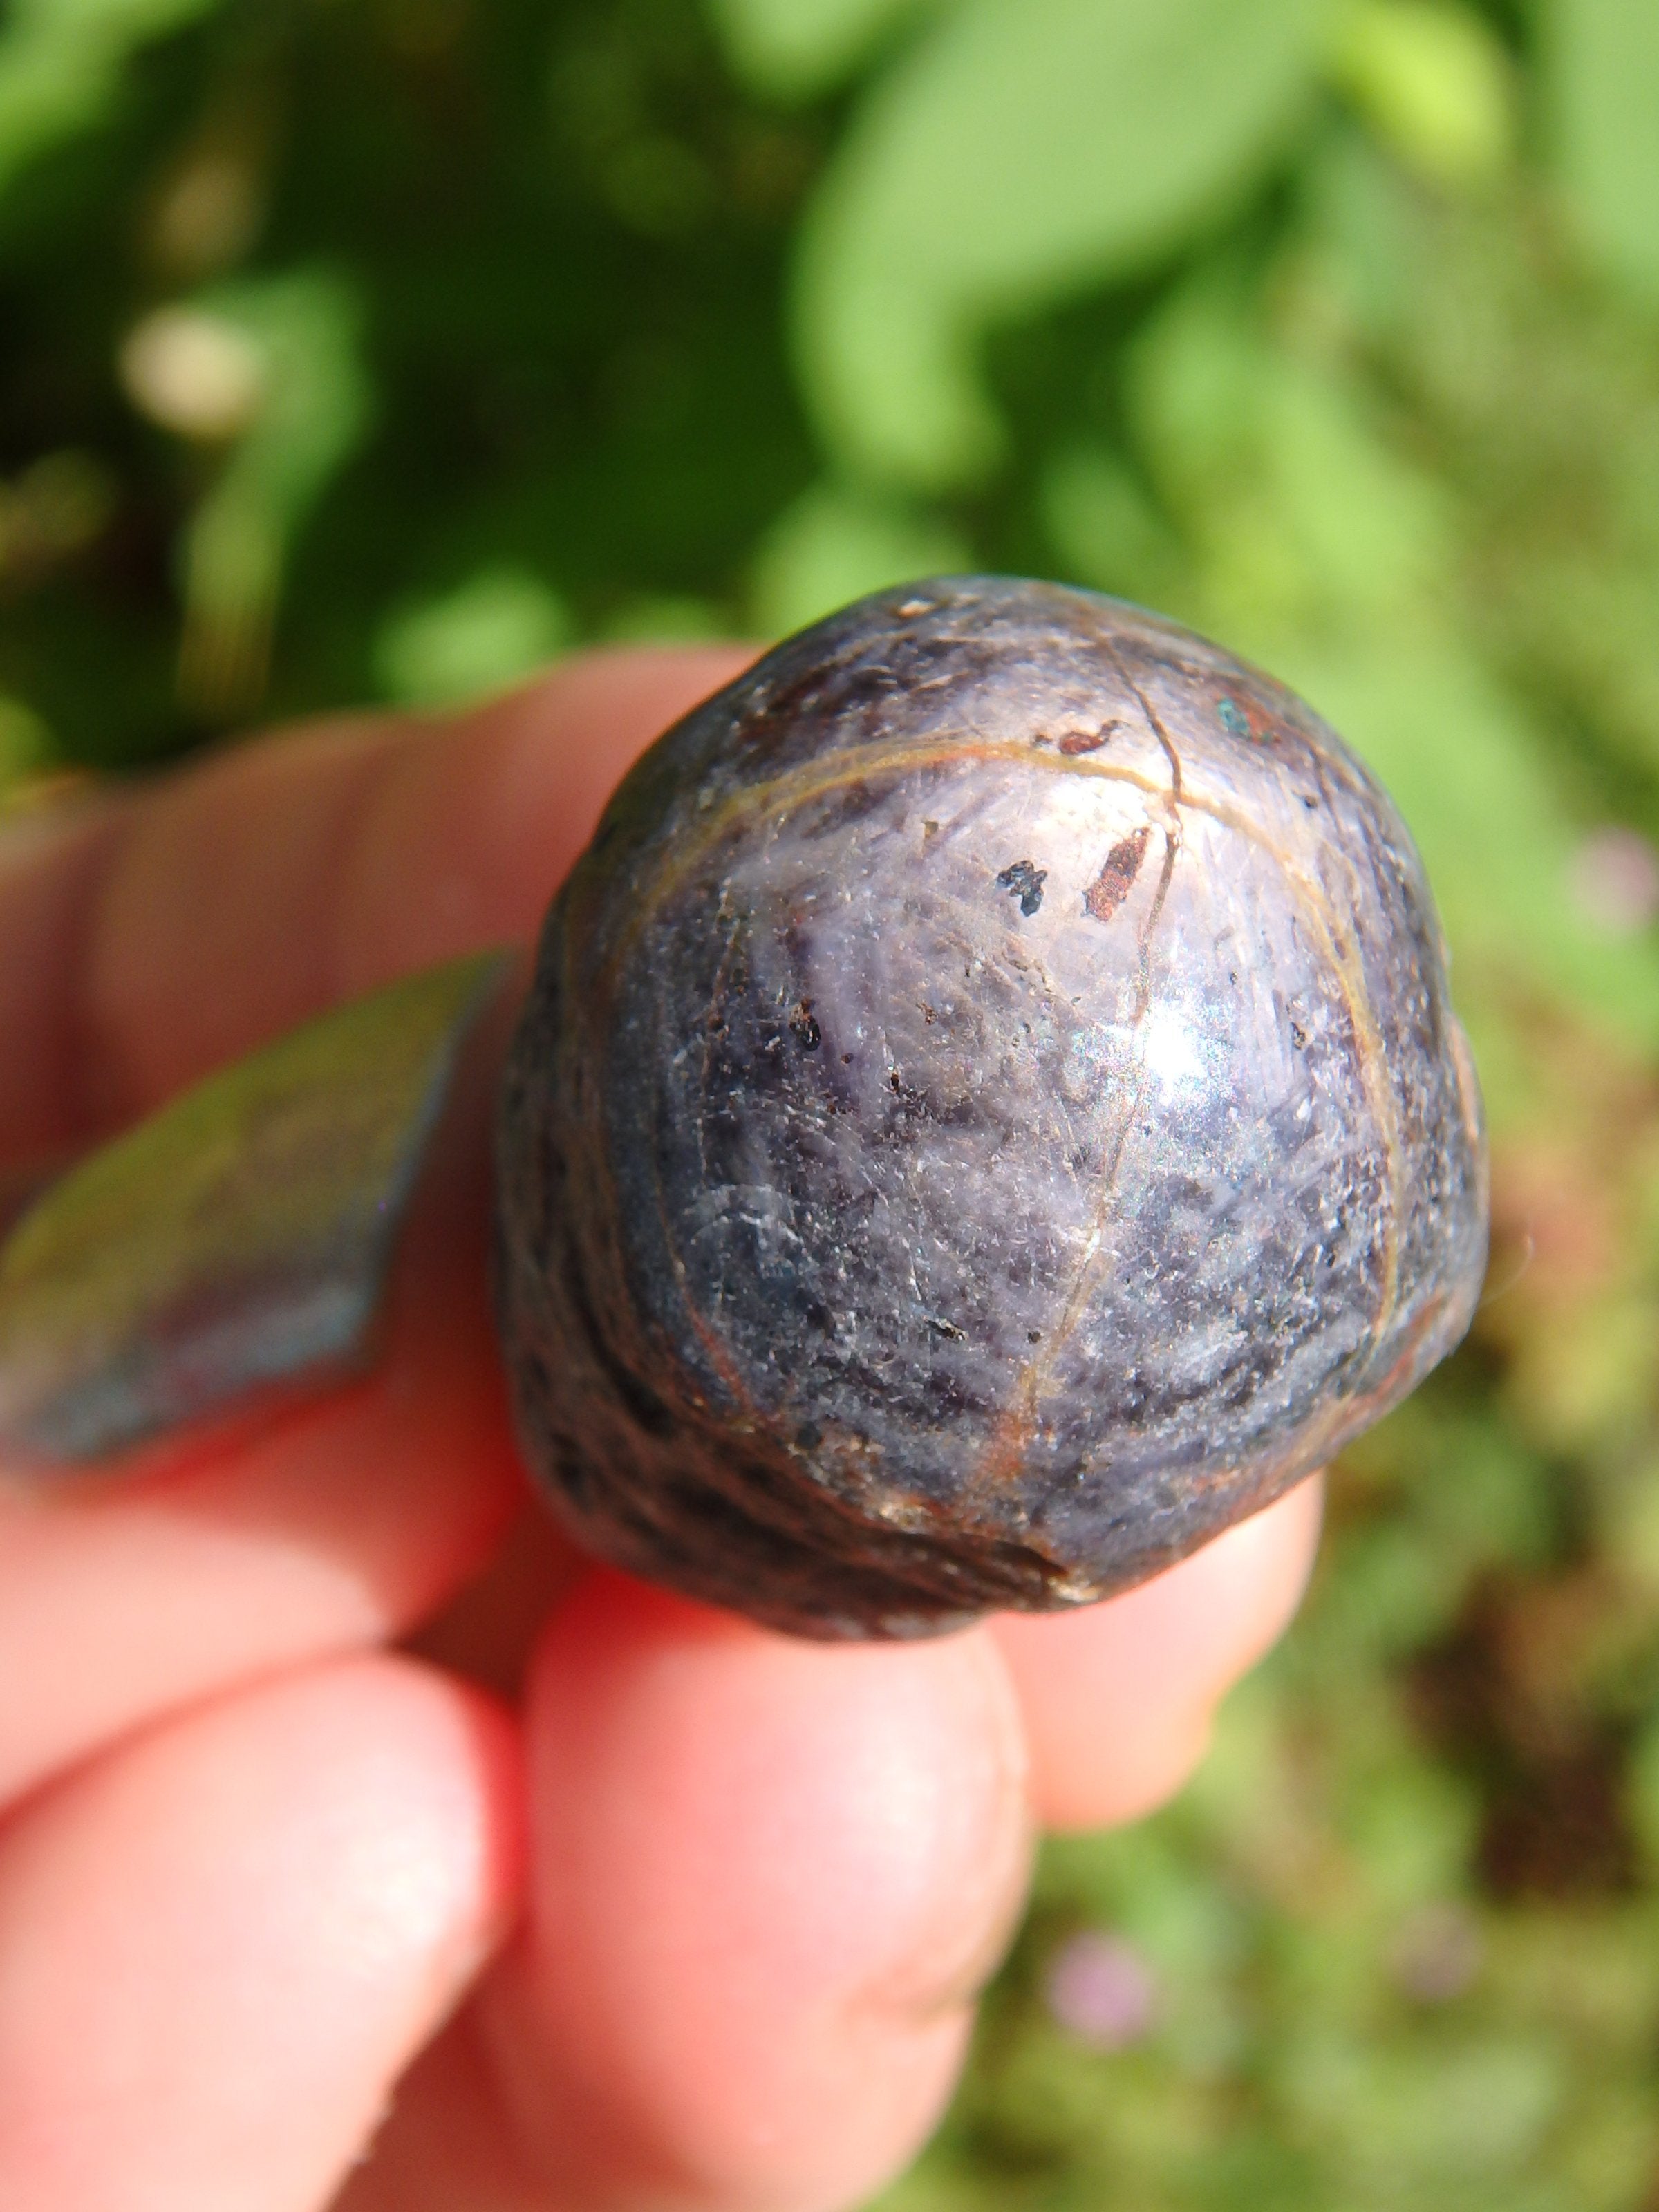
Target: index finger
[160,931]
[178,927]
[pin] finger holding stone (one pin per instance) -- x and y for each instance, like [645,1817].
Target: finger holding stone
[302,868]
[135,1582]
[220,1944]
[1118,1698]
[767,1878]
[167,932]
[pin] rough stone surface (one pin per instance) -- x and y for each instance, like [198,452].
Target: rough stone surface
[988,1116]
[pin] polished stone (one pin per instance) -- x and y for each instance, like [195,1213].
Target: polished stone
[989,1116]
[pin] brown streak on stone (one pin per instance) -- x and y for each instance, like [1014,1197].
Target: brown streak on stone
[1088,741]
[1117,877]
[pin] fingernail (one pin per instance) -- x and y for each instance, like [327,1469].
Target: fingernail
[238,1239]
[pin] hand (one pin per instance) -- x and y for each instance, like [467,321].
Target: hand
[330,1779]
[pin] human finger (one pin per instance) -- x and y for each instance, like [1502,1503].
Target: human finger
[1118,1699]
[313,1526]
[766,1877]
[185,926]
[155,934]
[219,1945]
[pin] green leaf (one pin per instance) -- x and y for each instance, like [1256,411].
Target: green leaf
[1421,2118]
[498,626]
[25,742]
[1026,149]
[1301,515]
[832,546]
[1602,62]
[791,49]
[1489,814]
[305,327]
[61,63]
[1105,527]
[659,618]
[1434,83]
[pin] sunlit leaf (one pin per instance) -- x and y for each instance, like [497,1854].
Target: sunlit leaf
[791,48]
[1498,838]
[195,373]
[61,63]
[833,546]
[1299,511]
[1026,148]
[25,742]
[1603,86]
[1644,1789]
[314,404]
[1103,525]
[1435,85]
[653,619]
[1476,2107]
[500,625]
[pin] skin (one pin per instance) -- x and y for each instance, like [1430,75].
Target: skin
[359,1845]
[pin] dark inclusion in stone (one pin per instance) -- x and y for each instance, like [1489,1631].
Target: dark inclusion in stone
[892,1229]
[1026,883]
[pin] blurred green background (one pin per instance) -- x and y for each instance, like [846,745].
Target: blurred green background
[356,349]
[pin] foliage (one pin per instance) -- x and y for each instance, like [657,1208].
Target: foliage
[376,347]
